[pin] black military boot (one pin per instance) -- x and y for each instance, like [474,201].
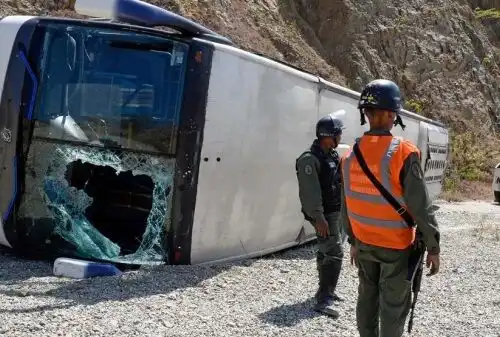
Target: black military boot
[333,272]
[324,300]
[335,297]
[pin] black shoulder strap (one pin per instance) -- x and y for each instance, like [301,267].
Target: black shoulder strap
[388,196]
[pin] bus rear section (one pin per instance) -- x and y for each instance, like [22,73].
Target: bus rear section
[106,140]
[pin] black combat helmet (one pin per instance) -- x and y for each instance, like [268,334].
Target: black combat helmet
[329,126]
[381,94]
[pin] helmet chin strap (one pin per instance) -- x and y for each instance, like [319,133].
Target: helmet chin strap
[362,115]
[399,121]
[335,144]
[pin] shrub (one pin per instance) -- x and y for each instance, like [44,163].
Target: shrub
[471,159]
[491,13]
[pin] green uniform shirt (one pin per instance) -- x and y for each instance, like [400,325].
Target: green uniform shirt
[417,200]
[308,167]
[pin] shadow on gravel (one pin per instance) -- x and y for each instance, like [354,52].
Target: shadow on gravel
[10,271]
[306,251]
[160,280]
[289,315]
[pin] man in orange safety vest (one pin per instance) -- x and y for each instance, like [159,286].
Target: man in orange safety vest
[382,232]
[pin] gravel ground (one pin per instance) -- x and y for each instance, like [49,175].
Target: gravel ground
[262,297]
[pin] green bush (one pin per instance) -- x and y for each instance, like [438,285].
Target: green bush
[487,61]
[414,106]
[469,160]
[491,13]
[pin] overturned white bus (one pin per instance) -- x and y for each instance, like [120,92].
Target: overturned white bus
[125,143]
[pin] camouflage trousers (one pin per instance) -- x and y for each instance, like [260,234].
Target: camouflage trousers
[384,292]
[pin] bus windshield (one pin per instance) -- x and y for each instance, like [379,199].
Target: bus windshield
[110,88]
[100,161]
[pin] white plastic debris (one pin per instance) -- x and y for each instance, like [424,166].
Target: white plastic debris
[74,268]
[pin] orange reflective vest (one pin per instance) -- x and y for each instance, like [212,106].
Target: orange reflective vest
[373,220]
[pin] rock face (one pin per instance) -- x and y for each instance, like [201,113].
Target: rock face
[443,57]
[442,53]
[485,4]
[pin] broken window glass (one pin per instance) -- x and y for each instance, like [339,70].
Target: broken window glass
[107,204]
[100,167]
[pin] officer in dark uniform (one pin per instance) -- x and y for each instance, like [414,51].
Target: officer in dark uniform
[319,193]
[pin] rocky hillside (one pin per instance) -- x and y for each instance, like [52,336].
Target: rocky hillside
[445,54]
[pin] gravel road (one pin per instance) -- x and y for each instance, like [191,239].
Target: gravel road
[263,297]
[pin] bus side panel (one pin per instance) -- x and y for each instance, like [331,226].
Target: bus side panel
[259,119]
[436,159]
[423,140]
[331,101]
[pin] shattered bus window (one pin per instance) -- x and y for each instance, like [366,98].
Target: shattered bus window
[100,167]
[97,198]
